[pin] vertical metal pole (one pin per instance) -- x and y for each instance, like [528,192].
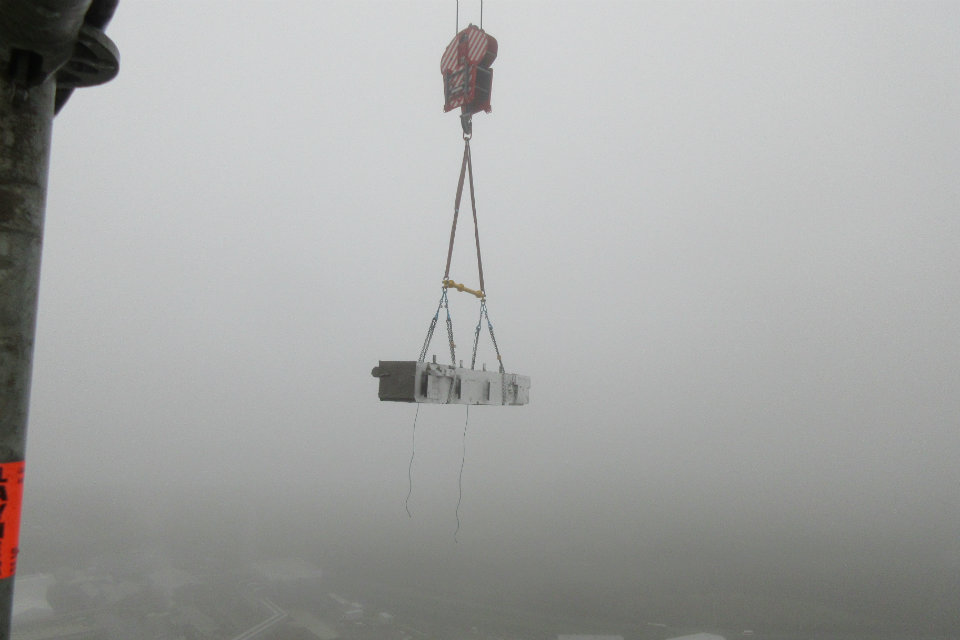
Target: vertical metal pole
[47,49]
[25,126]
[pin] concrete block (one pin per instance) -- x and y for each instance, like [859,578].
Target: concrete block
[412,381]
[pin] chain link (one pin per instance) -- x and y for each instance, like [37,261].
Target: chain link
[476,334]
[433,325]
[493,339]
[503,375]
[426,342]
[453,347]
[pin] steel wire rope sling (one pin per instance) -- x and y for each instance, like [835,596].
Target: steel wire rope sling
[467,81]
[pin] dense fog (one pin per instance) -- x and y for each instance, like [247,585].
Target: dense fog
[721,238]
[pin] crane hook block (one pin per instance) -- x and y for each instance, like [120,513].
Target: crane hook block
[430,382]
[467,76]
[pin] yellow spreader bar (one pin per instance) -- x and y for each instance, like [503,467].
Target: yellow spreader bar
[450,284]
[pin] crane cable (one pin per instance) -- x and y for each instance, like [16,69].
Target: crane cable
[457,30]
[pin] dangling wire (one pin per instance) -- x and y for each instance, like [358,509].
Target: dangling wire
[463,460]
[413,450]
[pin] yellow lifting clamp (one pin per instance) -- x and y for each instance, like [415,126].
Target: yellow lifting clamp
[450,284]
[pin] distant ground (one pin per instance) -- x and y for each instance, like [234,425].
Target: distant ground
[421,593]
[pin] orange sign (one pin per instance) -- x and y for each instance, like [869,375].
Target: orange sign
[11,496]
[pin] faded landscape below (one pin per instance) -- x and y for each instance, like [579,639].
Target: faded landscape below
[679,574]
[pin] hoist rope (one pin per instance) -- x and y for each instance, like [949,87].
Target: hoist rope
[457,30]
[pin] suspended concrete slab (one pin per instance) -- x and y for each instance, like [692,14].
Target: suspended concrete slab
[429,382]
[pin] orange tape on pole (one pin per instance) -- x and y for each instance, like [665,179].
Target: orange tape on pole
[11,497]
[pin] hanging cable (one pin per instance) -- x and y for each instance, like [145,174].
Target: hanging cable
[457,30]
[413,450]
[463,460]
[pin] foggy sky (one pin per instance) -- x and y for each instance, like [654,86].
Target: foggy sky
[721,238]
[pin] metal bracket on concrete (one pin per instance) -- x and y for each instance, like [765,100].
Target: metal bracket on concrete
[429,382]
[95,60]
